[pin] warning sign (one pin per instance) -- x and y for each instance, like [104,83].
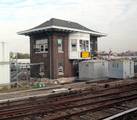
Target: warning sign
[85,54]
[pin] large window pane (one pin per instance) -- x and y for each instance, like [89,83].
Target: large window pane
[84,45]
[60,68]
[60,45]
[74,45]
[41,46]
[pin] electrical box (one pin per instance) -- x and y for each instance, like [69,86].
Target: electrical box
[93,69]
[121,68]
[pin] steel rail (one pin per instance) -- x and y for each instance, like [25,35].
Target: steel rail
[121,114]
[39,109]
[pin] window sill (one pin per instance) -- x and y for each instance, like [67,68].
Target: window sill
[60,51]
[60,74]
[40,52]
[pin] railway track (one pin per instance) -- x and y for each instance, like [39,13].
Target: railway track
[64,105]
[121,111]
[130,114]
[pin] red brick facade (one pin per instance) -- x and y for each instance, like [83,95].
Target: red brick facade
[53,57]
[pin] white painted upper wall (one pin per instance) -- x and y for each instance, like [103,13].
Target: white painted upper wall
[77,36]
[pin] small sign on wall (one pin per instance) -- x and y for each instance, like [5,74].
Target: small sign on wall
[85,54]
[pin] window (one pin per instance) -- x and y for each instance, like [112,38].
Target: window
[84,45]
[91,45]
[41,46]
[60,45]
[74,45]
[60,68]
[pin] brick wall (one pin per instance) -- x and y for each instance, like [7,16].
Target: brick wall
[51,58]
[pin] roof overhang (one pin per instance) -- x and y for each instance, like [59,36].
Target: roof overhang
[27,32]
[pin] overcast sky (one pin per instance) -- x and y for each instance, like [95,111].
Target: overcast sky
[116,18]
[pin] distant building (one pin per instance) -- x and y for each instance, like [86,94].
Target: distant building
[20,69]
[4,64]
[59,45]
[20,63]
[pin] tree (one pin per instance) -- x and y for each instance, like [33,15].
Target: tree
[19,55]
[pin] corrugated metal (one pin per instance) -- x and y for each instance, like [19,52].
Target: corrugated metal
[121,69]
[93,69]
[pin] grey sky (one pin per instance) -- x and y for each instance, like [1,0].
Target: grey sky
[116,18]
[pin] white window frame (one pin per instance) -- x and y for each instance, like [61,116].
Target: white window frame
[84,45]
[60,48]
[61,68]
[39,44]
[74,42]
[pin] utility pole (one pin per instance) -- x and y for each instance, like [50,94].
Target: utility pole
[3,50]
[17,69]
